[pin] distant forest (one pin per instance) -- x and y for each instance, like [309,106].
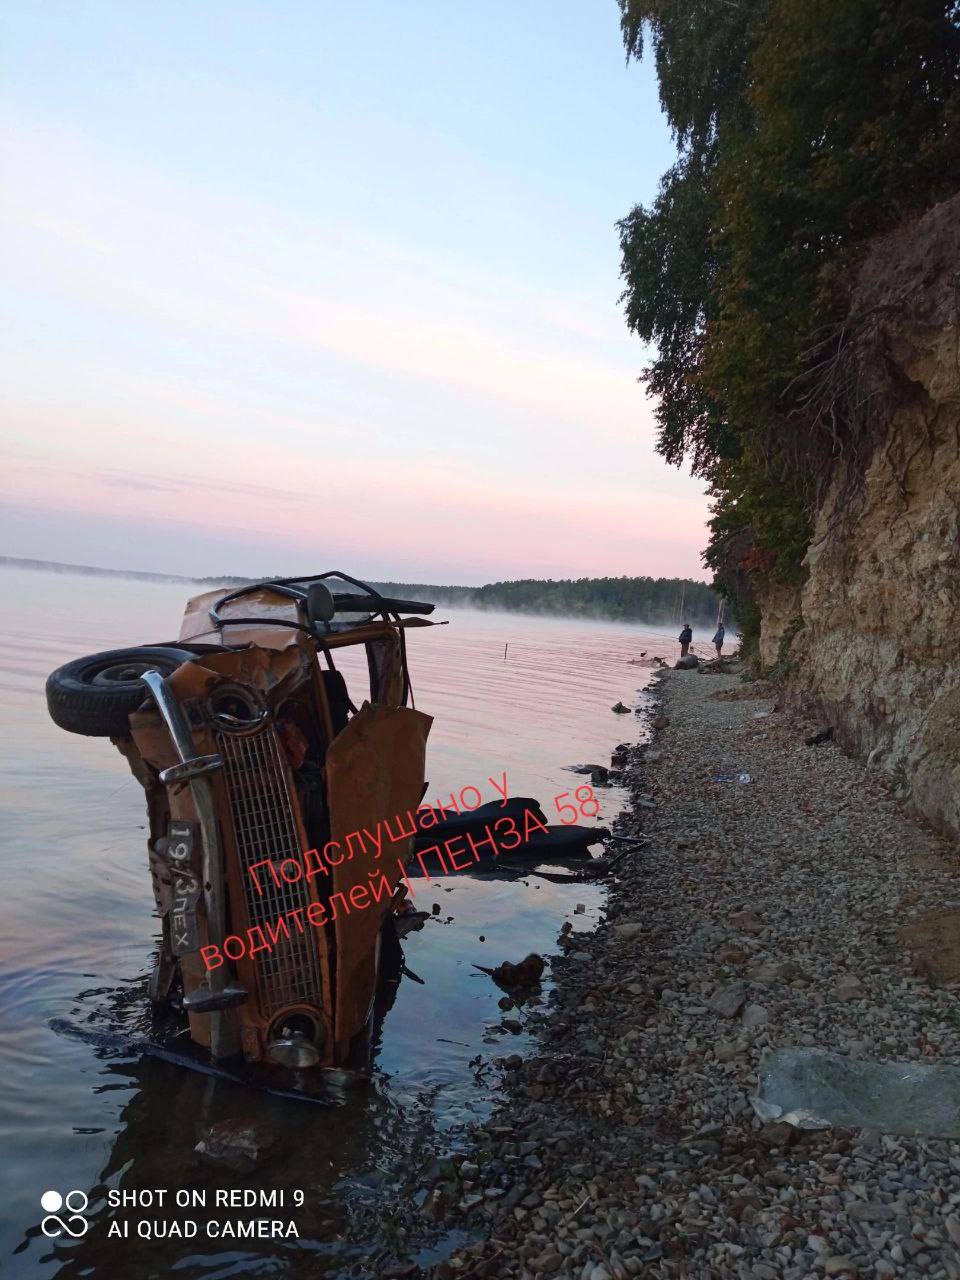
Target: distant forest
[654,600]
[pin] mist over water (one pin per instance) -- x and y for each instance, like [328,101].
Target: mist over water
[77,936]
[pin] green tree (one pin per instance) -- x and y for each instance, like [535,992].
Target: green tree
[803,127]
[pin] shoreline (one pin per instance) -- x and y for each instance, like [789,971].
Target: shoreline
[627,1143]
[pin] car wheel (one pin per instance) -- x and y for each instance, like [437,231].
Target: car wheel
[95,695]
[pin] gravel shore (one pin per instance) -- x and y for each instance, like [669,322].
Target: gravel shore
[761,913]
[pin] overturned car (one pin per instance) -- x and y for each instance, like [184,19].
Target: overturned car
[252,753]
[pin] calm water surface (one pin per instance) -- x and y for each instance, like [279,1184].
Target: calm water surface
[77,937]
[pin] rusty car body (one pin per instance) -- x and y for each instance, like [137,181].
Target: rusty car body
[250,750]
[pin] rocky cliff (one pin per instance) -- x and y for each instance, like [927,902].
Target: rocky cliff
[872,635]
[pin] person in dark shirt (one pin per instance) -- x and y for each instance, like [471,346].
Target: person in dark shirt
[718,638]
[686,635]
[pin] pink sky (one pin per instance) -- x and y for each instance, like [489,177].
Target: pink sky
[256,327]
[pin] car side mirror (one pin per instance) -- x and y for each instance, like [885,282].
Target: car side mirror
[320,603]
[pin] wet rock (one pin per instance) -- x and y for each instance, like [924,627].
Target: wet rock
[620,709]
[517,977]
[241,1146]
[432,1205]
[660,722]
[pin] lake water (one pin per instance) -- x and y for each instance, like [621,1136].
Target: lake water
[77,937]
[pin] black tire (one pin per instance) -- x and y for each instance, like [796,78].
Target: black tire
[95,695]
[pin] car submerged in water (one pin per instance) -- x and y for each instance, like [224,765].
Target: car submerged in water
[253,756]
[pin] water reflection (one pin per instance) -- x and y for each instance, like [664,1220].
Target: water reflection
[77,936]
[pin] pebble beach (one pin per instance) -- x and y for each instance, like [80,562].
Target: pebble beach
[780,899]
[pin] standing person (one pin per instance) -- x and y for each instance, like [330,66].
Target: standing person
[686,635]
[718,638]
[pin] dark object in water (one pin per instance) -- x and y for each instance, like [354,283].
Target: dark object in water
[620,709]
[561,842]
[823,735]
[557,841]
[128,1046]
[517,977]
[594,869]
[475,820]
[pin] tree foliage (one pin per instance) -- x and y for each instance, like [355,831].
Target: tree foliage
[804,127]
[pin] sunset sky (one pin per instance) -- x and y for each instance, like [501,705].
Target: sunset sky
[292,286]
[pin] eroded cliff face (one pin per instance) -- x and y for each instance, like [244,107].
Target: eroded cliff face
[781,616]
[879,649]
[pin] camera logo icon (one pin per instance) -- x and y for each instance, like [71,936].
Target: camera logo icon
[74,1223]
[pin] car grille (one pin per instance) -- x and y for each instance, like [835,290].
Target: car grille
[264,827]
